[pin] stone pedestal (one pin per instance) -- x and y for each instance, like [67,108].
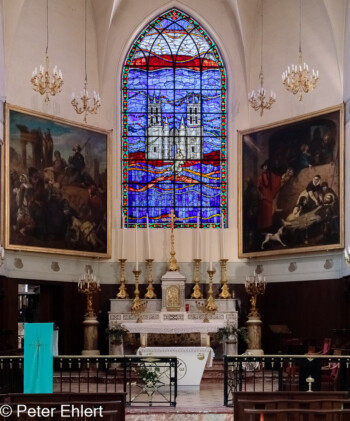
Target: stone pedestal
[254,335]
[173,291]
[90,336]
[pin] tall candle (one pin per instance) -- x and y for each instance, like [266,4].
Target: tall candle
[210,260]
[123,224]
[197,239]
[222,236]
[136,258]
[148,239]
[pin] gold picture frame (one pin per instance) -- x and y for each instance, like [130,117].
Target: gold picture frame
[291,187]
[57,185]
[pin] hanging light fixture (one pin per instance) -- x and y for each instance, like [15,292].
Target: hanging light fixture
[258,100]
[297,78]
[86,105]
[43,82]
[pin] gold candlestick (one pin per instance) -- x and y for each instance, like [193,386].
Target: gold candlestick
[122,289]
[89,285]
[211,305]
[150,291]
[254,286]
[138,306]
[225,293]
[196,279]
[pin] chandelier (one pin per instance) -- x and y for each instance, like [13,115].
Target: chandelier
[87,105]
[42,81]
[258,100]
[297,78]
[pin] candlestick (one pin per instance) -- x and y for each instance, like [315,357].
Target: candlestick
[150,291]
[123,224]
[197,238]
[196,289]
[148,239]
[136,258]
[222,236]
[122,289]
[210,260]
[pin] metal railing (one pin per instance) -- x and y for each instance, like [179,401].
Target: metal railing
[244,373]
[147,381]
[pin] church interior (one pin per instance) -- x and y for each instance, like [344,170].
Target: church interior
[200,172]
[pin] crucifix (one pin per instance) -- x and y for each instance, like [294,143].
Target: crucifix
[173,266]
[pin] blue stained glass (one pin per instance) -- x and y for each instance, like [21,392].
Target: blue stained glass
[174,125]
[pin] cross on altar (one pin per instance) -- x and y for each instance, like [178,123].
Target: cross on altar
[173,266]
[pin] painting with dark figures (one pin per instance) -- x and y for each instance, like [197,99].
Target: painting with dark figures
[291,185]
[57,185]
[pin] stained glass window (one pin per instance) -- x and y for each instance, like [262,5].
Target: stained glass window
[174,126]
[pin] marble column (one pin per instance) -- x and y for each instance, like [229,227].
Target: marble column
[254,335]
[90,336]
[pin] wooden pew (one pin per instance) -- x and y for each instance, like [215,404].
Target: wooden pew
[296,414]
[278,401]
[63,406]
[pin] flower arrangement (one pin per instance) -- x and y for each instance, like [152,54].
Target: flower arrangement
[149,374]
[116,333]
[224,333]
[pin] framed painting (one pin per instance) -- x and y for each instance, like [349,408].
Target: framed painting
[57,185]
[291,185]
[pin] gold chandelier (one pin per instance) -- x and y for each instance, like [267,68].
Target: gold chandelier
[43,82]
[88,105]
[258,100]
[297,78]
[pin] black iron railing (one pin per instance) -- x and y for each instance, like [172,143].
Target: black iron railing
[244,373]
[150,381]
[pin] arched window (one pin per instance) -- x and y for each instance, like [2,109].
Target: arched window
[171,160]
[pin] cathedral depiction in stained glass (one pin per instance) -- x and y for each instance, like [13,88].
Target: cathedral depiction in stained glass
[174,126]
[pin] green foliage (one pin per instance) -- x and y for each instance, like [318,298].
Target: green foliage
[116,333]
[149,374]
[224,333]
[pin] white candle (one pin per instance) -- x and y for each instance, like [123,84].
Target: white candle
[136,259]
[222,236]
[210,260]
[197,239]
[148,239]
[123,224]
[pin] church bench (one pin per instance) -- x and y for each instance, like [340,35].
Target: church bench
[296,414]
[112,404]
[288,400]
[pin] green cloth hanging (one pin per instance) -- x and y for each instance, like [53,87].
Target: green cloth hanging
[38,358]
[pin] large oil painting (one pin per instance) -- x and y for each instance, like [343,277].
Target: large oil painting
[56,185]
[291,185]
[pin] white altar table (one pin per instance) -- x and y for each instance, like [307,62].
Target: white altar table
[191,361]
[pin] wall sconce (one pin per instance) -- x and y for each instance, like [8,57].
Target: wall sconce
[347,255]
[292,267]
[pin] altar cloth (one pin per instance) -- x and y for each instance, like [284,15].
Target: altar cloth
[191,361]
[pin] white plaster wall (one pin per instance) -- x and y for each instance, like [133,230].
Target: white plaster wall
[234,26]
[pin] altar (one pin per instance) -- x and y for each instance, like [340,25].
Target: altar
[156,321]
[191,361]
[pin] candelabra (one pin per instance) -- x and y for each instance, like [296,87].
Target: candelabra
[254,286]
[298,79]
[89,285]
[138,306]
[196,278]
[258,100]
[150,291]
[43,82]
[225,293]
[122,289]
[86,105]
